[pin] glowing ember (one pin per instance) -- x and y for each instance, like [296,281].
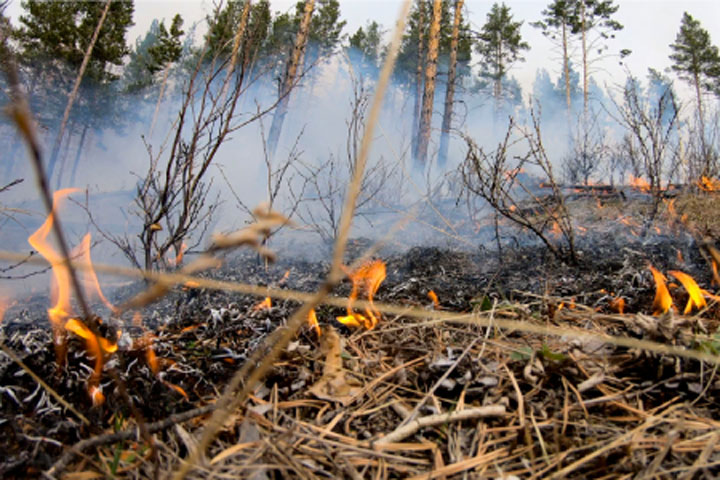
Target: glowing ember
[433,296]
[639,183]
[663,301]
[367,278]
[264,305]
[709,184]
[555,230]
[313,322]
[696,298]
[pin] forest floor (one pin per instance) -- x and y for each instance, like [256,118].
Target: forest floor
[522,367]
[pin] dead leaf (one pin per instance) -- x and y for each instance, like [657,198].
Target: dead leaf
[334,385]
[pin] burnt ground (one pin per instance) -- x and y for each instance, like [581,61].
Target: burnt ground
[558,405]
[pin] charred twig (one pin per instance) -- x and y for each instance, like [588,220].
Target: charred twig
[128,434]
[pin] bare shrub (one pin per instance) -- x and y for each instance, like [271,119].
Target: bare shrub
[651,142]
[497,178]
[588,150]
[324,185]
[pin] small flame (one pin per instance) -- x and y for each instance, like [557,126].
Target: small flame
[663,301]
[285,277]
[313,322]
[617,305]
[716,277]
[555,230]
[96,347]
[367,278]
[709,184]
[433,296]
[264,305]
[639,183]
[88,277]
[696,298]
[179,255]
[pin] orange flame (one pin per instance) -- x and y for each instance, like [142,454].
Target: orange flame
[313,322]
[708,184]
[639,183]
[716,277]
[97,347]
[88,277]
[663,301]
[179,255]
[436,302]
[617,305]
[264,305]
[285,277]
[368,278]
[555,230]
[696,298]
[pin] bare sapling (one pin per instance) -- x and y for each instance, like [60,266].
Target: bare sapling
[324,185]
[651,142]
[496,178]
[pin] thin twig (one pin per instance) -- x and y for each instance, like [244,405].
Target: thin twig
[405,431]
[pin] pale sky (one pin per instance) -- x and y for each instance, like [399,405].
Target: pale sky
[650,27]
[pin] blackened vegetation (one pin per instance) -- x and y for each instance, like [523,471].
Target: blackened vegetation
[577,396]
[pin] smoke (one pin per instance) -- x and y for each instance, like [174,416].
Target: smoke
[313,161]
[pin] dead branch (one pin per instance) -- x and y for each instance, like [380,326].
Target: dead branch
[440,419]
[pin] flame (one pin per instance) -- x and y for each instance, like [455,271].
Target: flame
[663,301]
[716,277]
[285,277]
[97,347]
[639,183]
[617,305]
[60,286]
[264,305]
[696,298]
[88,277]
[433,296]
[367,278]
[708,184]
[555,230]
[313,322]
[511,174]
[179,255]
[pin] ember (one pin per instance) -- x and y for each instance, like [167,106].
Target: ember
[367,278]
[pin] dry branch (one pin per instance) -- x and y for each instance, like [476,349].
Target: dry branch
[439,419]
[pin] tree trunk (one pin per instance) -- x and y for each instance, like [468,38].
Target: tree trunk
[584,60]
[701,126]
[450,91]
[73,94]
[419,77]
[78,154]
[497,85]
[296,57]
[429,93]
[566,68]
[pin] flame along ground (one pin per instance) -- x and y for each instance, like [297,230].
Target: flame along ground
[63,318]
[367,278]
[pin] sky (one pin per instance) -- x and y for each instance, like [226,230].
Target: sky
[650,27]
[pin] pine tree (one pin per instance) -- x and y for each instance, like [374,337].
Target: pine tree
[289,78]
[53,39]
[500,45]
[557,25]
[365,44]
[593,16]
[450,89]
[697,61]
[429,90]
